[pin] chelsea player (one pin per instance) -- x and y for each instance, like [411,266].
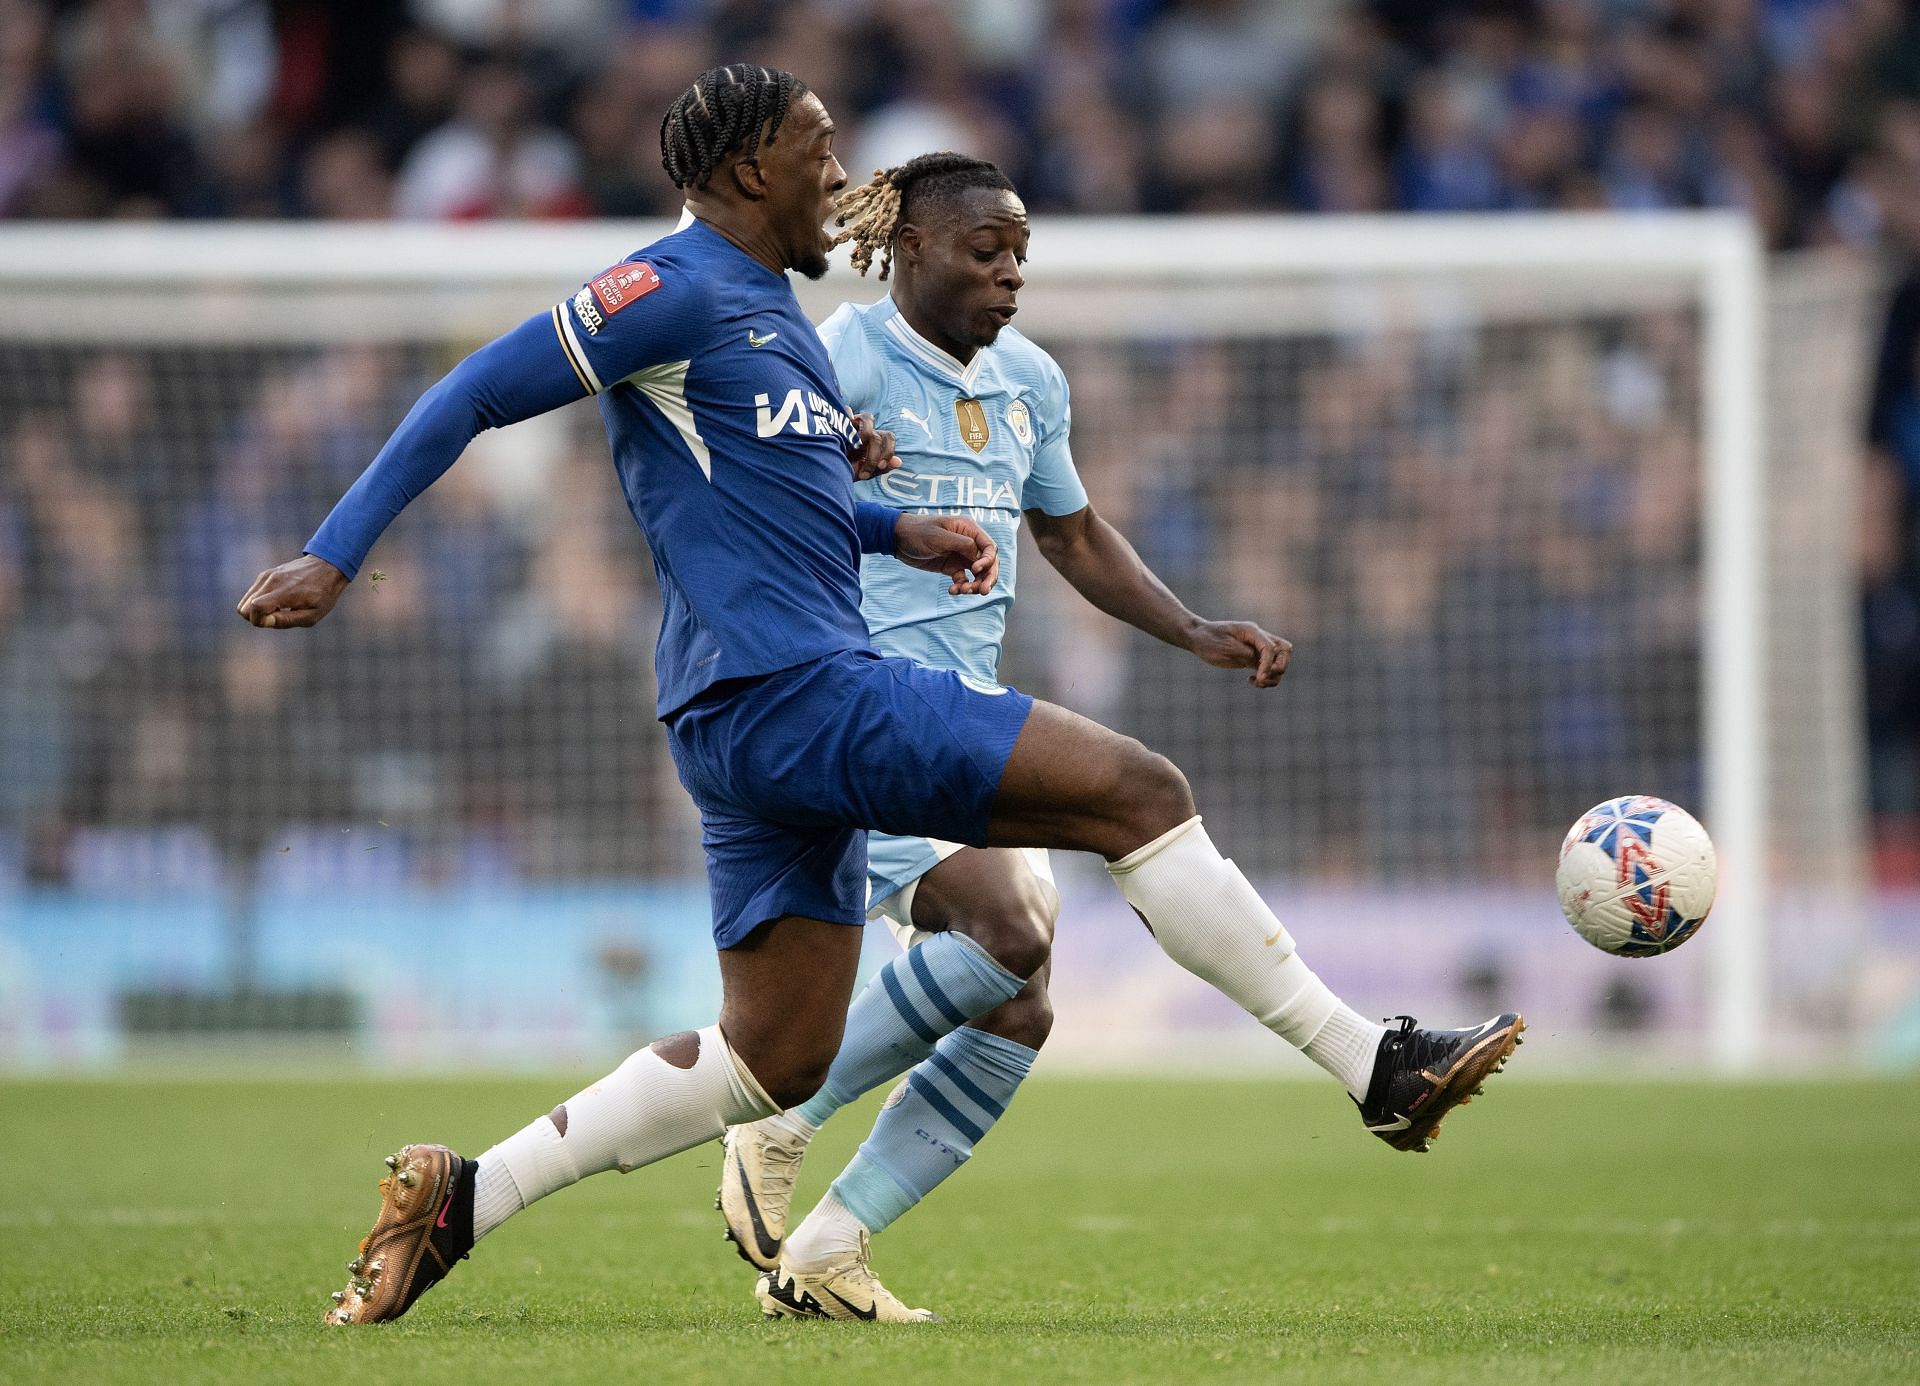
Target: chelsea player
[733,446]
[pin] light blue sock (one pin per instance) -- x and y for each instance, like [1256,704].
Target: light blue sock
[930,990]
[950,1101]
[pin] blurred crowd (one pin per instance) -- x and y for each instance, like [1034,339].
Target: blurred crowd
[1806,113]
[1485,550]
[1802,111]
[488,713]
[1486,545]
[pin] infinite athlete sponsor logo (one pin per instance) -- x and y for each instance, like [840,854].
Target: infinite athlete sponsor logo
[803,411]
[622,284]
[583,308]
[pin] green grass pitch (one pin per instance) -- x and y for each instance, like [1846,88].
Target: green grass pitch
[1109,1231]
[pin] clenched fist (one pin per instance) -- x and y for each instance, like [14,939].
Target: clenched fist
[298,593]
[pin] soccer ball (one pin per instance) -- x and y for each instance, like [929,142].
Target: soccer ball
[1636,876]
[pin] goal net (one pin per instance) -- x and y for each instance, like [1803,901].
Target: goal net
[1553,510]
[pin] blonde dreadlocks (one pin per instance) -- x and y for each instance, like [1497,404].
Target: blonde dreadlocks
[874,212]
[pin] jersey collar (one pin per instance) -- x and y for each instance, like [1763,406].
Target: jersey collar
[938,358]
[689,222]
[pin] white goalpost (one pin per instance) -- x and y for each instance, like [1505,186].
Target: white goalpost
[1721,257]
[1531,486]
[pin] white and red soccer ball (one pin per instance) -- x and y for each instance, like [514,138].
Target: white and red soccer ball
[1636,876]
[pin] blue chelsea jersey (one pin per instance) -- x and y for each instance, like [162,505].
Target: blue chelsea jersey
[986,439]
[731,438]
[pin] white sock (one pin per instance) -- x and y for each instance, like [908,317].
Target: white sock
[1345,1046]
[542,1163]
[645,1110]
[1211,921]
[792,1124]
[829,1233]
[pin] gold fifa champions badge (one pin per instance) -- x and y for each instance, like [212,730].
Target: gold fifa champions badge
[973,422]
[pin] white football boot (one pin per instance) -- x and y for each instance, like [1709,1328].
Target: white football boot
[756,1187]
[843,1289]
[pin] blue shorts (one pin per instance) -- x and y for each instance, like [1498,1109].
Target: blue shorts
[790,770]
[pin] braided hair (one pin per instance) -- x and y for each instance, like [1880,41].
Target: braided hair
[723,112]
[875,211]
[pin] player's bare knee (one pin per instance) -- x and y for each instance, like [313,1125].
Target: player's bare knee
[1016,927]
[1022,953]
[1157,796]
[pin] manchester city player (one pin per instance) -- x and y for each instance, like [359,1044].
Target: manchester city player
[981,422]
[793,736]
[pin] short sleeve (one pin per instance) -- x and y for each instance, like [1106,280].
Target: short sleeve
[855,365]
[1053,486]
[639,313]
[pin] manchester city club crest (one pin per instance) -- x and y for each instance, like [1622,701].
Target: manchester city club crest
[1020,422]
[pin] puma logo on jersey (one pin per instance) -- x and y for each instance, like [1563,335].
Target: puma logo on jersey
[755,340]
[925,427]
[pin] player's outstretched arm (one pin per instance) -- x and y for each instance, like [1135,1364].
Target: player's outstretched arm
[514,377]
[1097,559]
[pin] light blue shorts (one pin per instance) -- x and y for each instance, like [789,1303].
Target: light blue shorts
[895,865]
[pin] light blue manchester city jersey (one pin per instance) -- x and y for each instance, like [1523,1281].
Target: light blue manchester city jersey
[987,440]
